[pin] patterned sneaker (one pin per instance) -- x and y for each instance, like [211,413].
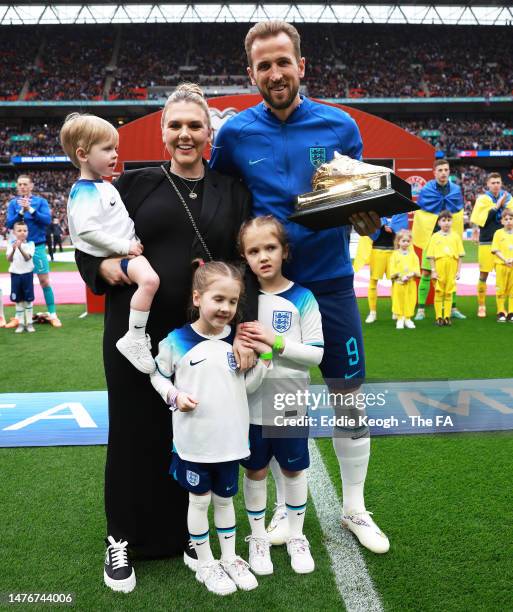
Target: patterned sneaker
[481,312]
[260,555]
[217,581]
[30,328]
[421,314]
[278,528]
[14,322]
[300,558]
[409,324]
[501,318]
[118,573]
[366,530]
[137,351]
[447,321]
[439,322]
[509,318]
[238,570]
[371,317]
[190,557]
[21,328]
[456,314]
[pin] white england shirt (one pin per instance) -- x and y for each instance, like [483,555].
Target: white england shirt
[99,223]
[19,264]
[294,314]
[204,366]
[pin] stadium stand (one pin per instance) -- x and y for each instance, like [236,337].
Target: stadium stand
[449,134]
[356,60]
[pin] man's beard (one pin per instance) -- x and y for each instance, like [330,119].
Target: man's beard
[281,105]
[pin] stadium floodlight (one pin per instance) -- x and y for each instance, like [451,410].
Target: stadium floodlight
[426,14]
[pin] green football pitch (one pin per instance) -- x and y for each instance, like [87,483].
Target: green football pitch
[444,500]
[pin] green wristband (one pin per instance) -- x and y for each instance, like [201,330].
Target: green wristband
[267,356]
[279,343]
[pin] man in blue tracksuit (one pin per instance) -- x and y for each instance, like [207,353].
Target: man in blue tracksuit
[275,147]
[34,210]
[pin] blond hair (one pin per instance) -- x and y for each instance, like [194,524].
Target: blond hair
[266,29]
[187,92]
[206,273]
[82,131]
[400,234]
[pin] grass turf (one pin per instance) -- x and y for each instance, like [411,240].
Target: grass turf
[442,499]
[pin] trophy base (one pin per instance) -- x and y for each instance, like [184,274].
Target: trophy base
[336,212]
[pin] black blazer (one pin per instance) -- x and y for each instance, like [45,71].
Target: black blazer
[226,205]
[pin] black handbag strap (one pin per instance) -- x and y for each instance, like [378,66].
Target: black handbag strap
[189,214]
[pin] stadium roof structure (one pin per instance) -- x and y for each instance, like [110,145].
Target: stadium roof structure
[443,12]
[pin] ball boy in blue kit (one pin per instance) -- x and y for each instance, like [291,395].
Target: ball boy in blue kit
[99,224]
[275,147]
[288,320]
[20,254]
[210,419]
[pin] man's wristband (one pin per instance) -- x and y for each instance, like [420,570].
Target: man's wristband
[267,356]
[279,343]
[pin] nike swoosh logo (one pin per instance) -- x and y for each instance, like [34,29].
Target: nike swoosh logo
[112,202]
[292,460]
[193,363]
[200,543]
[259,518]
[353,374]
[252,162]
[228,537]
[139,326]
[300,513]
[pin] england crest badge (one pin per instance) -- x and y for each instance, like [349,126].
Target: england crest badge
[232,363]
[317,156]
[192,478]
[282,320]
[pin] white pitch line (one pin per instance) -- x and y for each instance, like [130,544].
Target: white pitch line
[351,575]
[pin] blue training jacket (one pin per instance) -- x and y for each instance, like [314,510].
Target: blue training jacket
[432,198]
[276,160]
[37,222]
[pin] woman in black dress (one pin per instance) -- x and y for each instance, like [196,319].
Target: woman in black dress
[146,508]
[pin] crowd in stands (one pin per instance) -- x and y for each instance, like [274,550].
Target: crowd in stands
[18,49]
[72,63]
[343,60]
[455,134]
[38,139]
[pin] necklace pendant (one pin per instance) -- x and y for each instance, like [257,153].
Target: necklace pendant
[193,195]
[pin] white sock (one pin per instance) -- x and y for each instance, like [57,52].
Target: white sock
[296,493]
[279,482]
[255,498]
[353,458]
[197,523]
[20,313]
[28,312]
[1,304]
[137,322]
[224,518]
